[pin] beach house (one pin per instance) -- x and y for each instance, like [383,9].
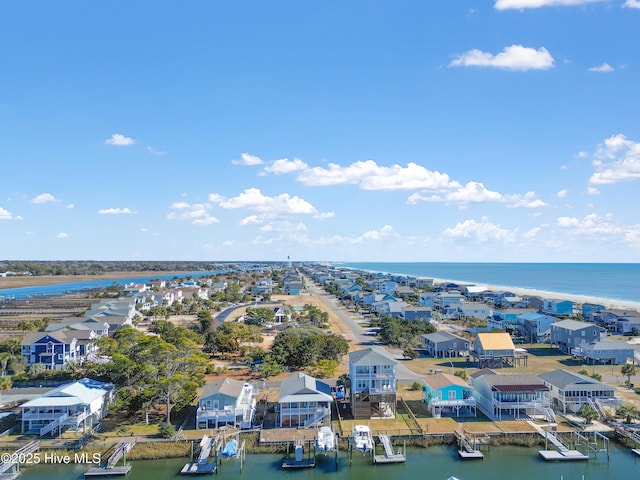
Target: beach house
[570,334]
[558,307]
[226,402]
[536,327]
[54,350]
[76,405]
[448,393]
[373,384]
[445,344]
[606,352]
[570,390]
[496,350]
[304,401]
[510,396]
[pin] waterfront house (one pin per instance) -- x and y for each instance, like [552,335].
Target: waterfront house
[587,308]
[303,401]
[391,308]
[495,350]
[75,405]
[373,384]
[606,352]
[448,393]
[570,334]
[509,316]
[569,391]
[54,350]
[558,307]
[510,396]
[226,402]
[426,300]
[445,344]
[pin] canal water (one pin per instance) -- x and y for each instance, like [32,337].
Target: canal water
[433,463]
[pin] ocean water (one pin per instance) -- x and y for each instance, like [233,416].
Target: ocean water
[433,463]
[616,281]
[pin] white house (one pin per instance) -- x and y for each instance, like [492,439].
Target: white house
[226,402]
[82,403]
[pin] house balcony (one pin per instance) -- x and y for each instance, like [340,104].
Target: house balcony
[604,401]
[304,411]
[521,405]
[220,415]
[41,416]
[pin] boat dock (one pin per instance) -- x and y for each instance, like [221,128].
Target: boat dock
[389,455]
[467,448]
[202,466]
[562,451]
[631,435]
[298,460]
[111,469]
[10,469]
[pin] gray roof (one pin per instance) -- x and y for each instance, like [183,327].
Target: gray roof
[438,337]
[563,378]
[524,379]
[609,345]
[300,387]
[369,356]
[573,324]
[225,386]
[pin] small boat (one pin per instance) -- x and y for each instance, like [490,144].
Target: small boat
[325,441]
[230,448]
[362,439]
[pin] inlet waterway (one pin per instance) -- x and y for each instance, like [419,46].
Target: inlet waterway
[433,463]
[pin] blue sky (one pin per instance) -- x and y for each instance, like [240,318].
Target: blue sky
[495,130]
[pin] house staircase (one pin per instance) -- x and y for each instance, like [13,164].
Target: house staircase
[317,417]
[51,426]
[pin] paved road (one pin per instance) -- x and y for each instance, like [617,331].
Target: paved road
[360,336]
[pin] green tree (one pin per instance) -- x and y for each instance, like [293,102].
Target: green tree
[4,361]
[409,353]
[324,368]
[628,412]
[228,337]
[5,383]
[10,345]
[462,374]
[270,367]
[588,413]
[259,315]
[628,370]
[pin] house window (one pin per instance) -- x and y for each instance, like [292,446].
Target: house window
[59,356]
[216,404]
[594,333]
[584,332]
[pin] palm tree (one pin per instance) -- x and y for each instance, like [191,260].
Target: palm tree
[629,412]
[4,361]
[628,370]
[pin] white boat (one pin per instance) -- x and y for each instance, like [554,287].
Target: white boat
[362,439]
[326,440]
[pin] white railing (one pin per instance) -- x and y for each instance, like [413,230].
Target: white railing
[54,424]
[466,402]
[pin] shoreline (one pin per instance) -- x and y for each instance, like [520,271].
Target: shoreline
[608,303]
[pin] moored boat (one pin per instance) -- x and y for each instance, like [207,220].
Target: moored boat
[325,440]
[362,439]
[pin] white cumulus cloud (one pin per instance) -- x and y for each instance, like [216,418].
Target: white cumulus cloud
[5,214]
[368,175]
[119,140]
[116,211]
[247,159]
[284,165]
[44,198]
[616,161]
[479,231]
[632,4]
[197,213]
[562,193]
[253,199]
[476,192]
[63,235]
[153,151]
[522,4]
[604,68]
[513,57]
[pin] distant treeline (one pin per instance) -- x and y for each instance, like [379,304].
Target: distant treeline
[73,267]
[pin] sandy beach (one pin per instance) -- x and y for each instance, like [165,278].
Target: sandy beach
[609,303]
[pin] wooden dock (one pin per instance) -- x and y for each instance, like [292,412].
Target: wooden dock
[389,455]
[108,472]
[467,447]
[10,469]
[202,466]
[111,469]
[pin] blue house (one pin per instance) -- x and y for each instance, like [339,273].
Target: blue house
[558,307]
[52,349]
[443,392]
[588,308]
